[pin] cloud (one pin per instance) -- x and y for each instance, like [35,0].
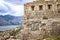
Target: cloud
[12,7]
[18,1]
[18,10]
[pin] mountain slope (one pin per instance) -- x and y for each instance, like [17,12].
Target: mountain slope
[10,20]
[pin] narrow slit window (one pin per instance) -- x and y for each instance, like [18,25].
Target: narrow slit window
[49,6]
[41,7]
[58,8]
[32,7]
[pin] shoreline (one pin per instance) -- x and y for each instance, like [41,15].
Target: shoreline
[10,27]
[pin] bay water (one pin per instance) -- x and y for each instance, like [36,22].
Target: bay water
[3,28]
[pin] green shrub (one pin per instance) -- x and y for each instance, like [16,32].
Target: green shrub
[13,33]
[57,38]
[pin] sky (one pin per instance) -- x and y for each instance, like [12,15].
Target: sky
[12,7]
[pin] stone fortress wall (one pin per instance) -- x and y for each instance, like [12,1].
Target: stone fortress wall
[43,15]
[42,8]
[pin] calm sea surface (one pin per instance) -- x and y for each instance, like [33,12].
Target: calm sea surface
[3,28]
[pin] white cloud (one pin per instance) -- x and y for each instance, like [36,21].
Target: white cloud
[28,1]
[18,1]
[16,10]
[13,9]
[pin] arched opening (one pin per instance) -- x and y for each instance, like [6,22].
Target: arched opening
[45,17]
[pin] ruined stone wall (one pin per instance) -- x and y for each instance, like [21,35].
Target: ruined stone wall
[49,12]
[36,15]
[45,22]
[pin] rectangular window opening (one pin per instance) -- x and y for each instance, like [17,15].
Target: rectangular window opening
[58,8]
[49,6]
[58,11]
[41,7]
[32,7]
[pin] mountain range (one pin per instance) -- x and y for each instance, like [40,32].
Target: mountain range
[10,20]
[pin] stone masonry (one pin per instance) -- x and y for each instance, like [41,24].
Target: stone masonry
[42,15]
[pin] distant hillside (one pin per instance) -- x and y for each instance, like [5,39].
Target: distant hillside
[10,20]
